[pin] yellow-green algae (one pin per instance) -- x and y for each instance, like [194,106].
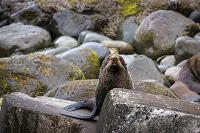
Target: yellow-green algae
[12,82]
[129,7]
[76,74]
[93,59]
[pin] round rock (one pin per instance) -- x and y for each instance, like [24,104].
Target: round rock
[186,47]
[195,16]
[66,41]
[72,24]
[22,38]
[157,34]
[127,29]
[85,58]
[143,68]
[100,49]
[122,47]
[94,37]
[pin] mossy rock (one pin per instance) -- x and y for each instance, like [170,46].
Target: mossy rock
[35,74]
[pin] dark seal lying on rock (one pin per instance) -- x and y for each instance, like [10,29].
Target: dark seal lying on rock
[190,74]
[113,74]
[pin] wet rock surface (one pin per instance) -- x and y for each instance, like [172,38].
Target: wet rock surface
[130,111]
[21,113]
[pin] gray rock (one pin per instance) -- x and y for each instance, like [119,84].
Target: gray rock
[85,58]
[54,51]
[195,16]
[121,46]
[66,41]
[101,50]
[169,60]
[23,114]
[128,58]
[184,93]
[22,38]
[152,87]
[186,47]
[94,37]
[163,68]
[197,36]
[82,35]
[31,14]
[72,24]
[77,90]
[154,41]
[127,29]
[172,73]
[125,111]
[35,74]
[143,68]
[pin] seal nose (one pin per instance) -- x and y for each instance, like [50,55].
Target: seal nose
[114,61]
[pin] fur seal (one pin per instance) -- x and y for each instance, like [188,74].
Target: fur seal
[113,74]
[190,74]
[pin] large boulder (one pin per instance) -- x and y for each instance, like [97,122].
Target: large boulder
[31,14]
[22,38]
[143,68]
[35,74]
[186,47]
[155,42]
[23,114]
[85,58]
[72,24]
[127,29]
[125,111]
[77,90]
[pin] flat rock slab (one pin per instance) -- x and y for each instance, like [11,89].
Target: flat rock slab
[23,114]
[125,111]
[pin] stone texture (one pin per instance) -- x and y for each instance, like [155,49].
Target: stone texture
[35,74]
[93,37]
[186,47]
[127,111]
[121,46]
[77,90]
[172,73]
[152,87]
[22,38]
[85,58]
[66,41]
[143,68]
[23,114]
[72,24]
[127,29]
[195,16]
[184,93]
[154,41]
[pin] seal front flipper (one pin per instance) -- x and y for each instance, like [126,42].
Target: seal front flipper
[82,117]
[75,106]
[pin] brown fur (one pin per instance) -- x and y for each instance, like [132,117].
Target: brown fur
[113,74]
[190,74]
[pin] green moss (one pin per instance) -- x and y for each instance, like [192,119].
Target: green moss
[93,59]
[40,90]
[76,74]
[129,7]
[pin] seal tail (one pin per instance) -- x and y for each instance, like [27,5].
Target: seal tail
[83,117]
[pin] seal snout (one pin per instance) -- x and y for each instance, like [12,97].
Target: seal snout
[115,61]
